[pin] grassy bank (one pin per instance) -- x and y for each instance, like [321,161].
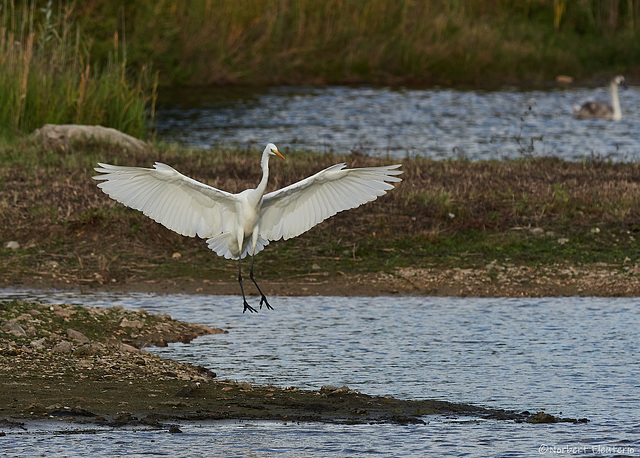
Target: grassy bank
[451,214]
[203,42]
[47,74]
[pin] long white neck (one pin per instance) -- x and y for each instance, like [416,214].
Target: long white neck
[615,102]
[262,186]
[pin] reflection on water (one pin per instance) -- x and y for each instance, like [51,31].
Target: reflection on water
[575,356]
[437,123]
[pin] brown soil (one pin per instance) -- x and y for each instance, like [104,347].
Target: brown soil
[493,280]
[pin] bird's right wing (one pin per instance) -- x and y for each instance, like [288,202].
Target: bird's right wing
[179,203]
[290,211]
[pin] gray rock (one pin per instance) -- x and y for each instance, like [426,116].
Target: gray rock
[85,350]
[77,336]
[62,135]
[38,344]
[63,347]
[115,343]
[126,323]
[128,348]
[13,328]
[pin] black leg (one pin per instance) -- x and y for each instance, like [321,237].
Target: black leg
[263,300]
[244,299]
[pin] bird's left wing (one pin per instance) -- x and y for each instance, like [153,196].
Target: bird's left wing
[290,211]
[178,202]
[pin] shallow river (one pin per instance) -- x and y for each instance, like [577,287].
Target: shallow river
[573,357]
[436,123]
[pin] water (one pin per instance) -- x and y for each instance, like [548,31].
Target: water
[436,123]
[574,357]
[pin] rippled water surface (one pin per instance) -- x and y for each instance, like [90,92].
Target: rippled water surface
[574,357]
[437,123]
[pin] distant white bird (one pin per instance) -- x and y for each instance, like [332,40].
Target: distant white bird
[237,225]
[599,110]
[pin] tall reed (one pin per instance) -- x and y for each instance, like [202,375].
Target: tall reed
[46,75]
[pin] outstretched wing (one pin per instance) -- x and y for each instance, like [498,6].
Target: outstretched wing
[290,211]
[179,203]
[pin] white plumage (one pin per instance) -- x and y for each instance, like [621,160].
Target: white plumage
[600,110]
[237,225]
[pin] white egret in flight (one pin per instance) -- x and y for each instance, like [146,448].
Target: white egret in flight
[237,225]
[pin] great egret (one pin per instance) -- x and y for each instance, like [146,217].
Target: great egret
[237,225]
[600,110]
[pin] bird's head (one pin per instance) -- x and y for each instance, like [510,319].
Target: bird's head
[620,81]
[273,151]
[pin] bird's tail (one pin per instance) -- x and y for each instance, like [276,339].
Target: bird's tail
[225,244]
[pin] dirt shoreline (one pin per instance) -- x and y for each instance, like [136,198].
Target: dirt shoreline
[492,280]
[85,365]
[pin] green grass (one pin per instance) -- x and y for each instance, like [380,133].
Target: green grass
[48,76]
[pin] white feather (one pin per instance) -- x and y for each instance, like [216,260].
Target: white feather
[230,222]
[293,210]
[177,202]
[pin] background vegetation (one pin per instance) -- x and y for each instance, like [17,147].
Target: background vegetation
[90,62]
[47,74]
[202,42]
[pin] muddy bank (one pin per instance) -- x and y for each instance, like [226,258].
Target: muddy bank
[539,227]
[493,280]
[86,365]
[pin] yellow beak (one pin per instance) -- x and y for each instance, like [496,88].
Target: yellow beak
[277,153]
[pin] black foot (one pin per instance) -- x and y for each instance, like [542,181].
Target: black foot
[248,307]
[266,302]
